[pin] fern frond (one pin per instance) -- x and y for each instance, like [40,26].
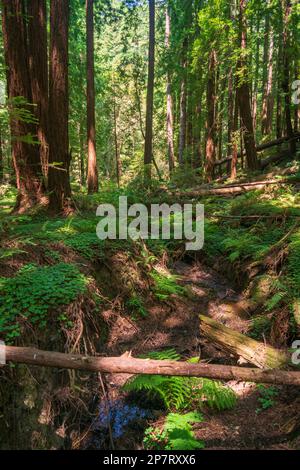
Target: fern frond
[180,392]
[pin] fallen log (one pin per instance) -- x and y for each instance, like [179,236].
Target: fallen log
[261,148]
[269,255]
[254,352]
[236,189]
[128,365]
[252,217]
[276,142]
[274,159]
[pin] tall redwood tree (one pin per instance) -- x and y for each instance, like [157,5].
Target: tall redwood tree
[38,67]
[243,91]
[1,157]
[25,152]
[148,153]
[287,61]
[59,157]
[211,116]
[92,176]
[170,118]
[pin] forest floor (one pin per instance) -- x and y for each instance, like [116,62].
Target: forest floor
[247,425]
[62,289]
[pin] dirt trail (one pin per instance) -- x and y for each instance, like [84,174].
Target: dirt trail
[246,426]
[175,324]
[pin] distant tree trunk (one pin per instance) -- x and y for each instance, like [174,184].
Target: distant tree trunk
[59,157]
[170,119]
[26,156]
[233,139]
[82,153]
[183,106]
[182,126]
[286,73]
[1,157]
[38,66]
[244,95]
[197,132]
[190,127]
[230,112]
[148,153]
[92,171]
[297,108]
[221,117]
[211,116]
[117,149]
[268,102]
[256,77]
[279,131]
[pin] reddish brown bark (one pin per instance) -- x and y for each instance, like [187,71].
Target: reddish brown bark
[211,116]
[170,119]
[148,153]
[183,109]
[92,176]
[25,155]
[268,101]
[244,95]
[38,66]
[117,147]
[234,139]
[1,158]
[286,73]
[59,157]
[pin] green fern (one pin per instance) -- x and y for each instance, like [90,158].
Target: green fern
[177,433]
[166,285]
[180,392]
[216,395]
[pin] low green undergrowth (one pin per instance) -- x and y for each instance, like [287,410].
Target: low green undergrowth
[29,296]
[177,433]
[267,396]
[166,285]
[181,393]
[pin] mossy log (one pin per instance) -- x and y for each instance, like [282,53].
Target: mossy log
[254,352]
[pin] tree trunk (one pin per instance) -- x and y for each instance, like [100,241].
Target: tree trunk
[234,139]
[92,171]
[286,73]
[230,112]
[59,157]
[256,78]
[182,121]
[279,68]
[297,108]
[183,108]
[170,119]
[244,95]
[1,157]
[267,107]
[26,156]
[38,66]
[148,153]
[82,153]
[211,116]
[220,117]
[197,157]
[117,150]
